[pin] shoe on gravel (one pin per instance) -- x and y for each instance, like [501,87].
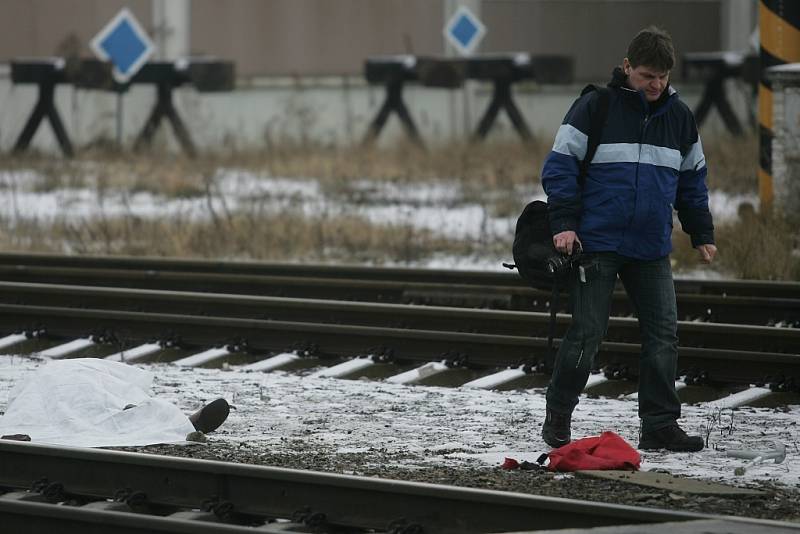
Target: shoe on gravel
[555,429]
[672,438]
[211,416]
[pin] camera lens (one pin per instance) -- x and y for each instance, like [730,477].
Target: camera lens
[555,264]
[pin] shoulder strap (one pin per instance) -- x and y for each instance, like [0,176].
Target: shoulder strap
[598,120]
[552,351]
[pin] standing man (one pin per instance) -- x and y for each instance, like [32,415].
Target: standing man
[649,162]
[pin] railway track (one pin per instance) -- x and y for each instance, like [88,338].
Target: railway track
[726,301]
[359,323]
[51,489]
[351,272]
[622,329]
[380,338]
[493,347]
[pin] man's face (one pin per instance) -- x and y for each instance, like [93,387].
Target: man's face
[642,78]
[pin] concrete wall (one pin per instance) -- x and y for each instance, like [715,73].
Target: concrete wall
[595,33]
[58,27]
[322,37]
[314,37]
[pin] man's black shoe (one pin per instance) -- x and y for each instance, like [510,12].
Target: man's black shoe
[672,438]
[555,429]
[211,416]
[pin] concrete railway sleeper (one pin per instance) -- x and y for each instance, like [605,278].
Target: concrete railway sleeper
[99,490]
[743,302]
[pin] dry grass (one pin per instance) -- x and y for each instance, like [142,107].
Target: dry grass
[493,165]
[280,237]
[490,166]
[168,175]
[760,246]
[757,246]
[732,163]
[490,174]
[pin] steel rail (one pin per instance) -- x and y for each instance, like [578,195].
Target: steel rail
[41,518]
[480,350]
[345,501]
[711,307]
[730,287]
[711,335]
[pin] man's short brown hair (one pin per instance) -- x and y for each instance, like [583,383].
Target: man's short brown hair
[652,47]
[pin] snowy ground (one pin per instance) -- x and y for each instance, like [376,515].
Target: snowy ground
[434,206]
[417,426]
[441,207]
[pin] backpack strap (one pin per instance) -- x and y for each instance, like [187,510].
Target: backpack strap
[550,358]
[598,120]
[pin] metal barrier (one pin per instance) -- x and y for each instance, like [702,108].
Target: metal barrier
[205,75]
[503,70]
[714,68]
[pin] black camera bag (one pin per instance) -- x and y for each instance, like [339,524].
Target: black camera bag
[533,247]
[533,239]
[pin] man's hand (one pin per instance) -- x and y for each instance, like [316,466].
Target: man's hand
[707,252]
[565,241]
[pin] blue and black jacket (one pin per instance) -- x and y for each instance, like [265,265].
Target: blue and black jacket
[649,161]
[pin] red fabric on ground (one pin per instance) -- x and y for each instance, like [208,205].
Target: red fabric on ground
[509,463]
[606,451]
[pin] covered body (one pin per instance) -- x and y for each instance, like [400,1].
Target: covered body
[82,402]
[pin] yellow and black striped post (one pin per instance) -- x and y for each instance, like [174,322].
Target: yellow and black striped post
[779,29]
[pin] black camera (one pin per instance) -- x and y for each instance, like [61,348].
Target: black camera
[560,264]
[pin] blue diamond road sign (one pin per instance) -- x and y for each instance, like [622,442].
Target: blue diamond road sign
[464,31]
[125,44]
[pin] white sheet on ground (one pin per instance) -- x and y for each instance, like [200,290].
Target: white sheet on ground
[80,402]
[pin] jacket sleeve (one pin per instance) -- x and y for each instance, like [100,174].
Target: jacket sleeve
[562,165]
[691,199]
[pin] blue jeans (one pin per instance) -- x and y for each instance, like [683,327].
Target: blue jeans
[650,287]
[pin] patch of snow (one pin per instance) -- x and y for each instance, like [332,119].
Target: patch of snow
[422,425]
[437,206]
[725,206]
[701,273]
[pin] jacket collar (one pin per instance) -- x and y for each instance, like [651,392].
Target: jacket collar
[619,80]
